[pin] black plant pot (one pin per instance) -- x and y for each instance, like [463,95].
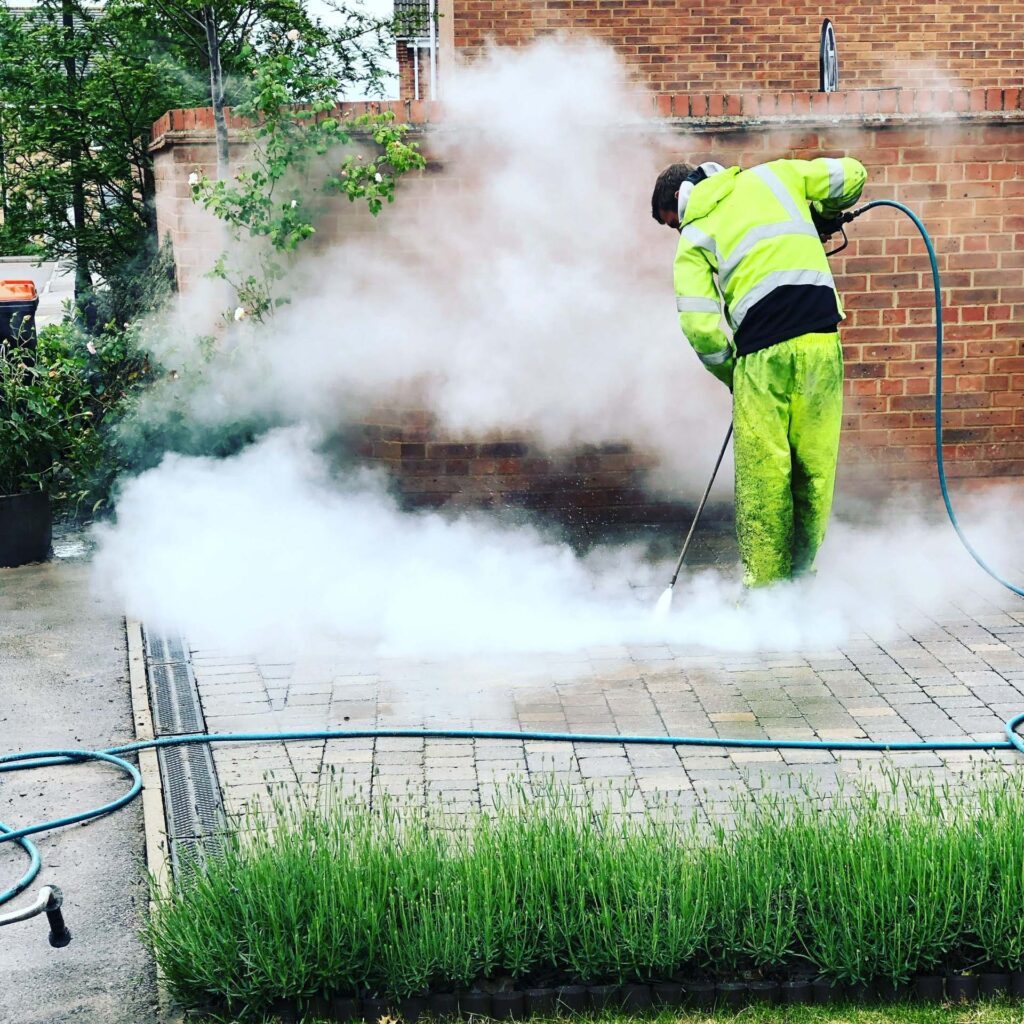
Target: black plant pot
[993,985]
[318,1006]
[286,1009]
[571,997]
[475,1004]
[443,1005]
[929,988]
[507,1006]
[699,994]
[1017,984]
[889,993]
[604,997]
[637,998]
[412,1009]
[862,994]
[733,995]
[539,1002]
[764,991]
[25,528]
[374,1007]
[962,988]
[796,993]
[668,995]
[827,991]
[344,1009]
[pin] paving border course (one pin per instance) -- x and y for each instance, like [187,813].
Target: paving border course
[154,812]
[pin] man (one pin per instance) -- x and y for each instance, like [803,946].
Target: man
[753,240]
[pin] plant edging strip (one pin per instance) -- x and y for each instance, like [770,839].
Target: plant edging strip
[571,1000]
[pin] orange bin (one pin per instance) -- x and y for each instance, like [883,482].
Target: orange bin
[18,304]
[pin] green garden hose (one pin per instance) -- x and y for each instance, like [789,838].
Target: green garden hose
[940,461]
[113,755]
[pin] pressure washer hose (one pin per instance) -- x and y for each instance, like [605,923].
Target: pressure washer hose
[940,460]
[113,755]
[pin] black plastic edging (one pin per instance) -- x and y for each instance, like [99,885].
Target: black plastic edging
[639,998]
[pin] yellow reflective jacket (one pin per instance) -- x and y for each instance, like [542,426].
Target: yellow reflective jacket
[752,231]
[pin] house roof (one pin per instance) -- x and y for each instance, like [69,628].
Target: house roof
[412,19]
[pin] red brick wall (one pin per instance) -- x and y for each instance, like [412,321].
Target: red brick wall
[956,158]
[967,185]
[432,470]
[726,45]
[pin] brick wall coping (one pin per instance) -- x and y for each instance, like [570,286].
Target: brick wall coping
[711,110]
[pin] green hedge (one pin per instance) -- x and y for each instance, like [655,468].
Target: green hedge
[880,885]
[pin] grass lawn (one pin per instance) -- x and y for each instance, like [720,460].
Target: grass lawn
[978,1013]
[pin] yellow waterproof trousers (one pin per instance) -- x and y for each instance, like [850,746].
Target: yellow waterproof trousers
[787,415]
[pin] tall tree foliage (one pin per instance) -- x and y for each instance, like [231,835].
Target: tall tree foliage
[80,90]
[223,40]
[82,83]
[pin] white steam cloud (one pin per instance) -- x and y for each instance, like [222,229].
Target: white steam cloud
[524,290]
[266,552]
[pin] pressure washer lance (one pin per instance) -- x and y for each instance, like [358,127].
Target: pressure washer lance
[665,601]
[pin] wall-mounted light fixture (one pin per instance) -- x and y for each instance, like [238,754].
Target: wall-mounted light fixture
[828,59]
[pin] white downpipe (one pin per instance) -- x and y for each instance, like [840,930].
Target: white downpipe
[432,9]
[415,71]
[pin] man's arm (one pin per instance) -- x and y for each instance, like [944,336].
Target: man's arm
[832,184]
[700,311]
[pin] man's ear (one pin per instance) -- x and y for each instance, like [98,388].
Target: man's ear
[676,193]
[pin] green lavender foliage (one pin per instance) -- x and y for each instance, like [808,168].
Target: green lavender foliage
[550,885]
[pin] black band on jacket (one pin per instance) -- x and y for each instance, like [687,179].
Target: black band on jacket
[787,312]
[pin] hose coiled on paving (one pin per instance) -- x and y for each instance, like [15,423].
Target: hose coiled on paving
[115,755]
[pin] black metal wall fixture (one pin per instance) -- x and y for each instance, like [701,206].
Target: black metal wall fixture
[828,59]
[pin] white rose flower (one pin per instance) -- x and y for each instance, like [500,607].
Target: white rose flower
[378,177]
[91,348]
[193,179]
[240,314]
[295,203]
[293,35]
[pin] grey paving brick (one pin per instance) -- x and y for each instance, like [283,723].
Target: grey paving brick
[961,676]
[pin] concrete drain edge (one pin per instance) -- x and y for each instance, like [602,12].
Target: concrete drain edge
[191,792]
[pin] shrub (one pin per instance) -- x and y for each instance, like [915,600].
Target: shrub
[547,889]
[55,403]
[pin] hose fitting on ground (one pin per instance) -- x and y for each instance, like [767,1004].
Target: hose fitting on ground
[60,936]
[48,902]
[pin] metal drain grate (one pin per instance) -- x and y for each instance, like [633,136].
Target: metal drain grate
[192,795]
[192,801]
[175,700]
[161,648]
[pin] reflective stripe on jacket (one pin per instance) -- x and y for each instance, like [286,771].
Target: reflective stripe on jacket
[752,230]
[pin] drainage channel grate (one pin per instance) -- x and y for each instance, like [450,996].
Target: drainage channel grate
[192,798]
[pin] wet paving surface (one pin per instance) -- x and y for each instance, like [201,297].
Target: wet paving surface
[951,676]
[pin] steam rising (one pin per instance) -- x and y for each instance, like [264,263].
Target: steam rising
[267,552]
[527,291]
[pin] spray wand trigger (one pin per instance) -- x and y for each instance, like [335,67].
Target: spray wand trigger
[661,609]
[840,223]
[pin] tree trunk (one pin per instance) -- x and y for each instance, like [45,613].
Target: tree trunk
[3,173]
[216,90]
[83,279]
[148,180]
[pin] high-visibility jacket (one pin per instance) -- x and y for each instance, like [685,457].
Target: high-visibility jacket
[752,231]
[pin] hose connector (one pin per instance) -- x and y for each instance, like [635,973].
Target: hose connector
[48,902]
[60,936]
[850,215]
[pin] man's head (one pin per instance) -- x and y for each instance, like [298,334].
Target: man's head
[665,198]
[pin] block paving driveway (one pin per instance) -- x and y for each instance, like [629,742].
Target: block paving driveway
[958,676]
